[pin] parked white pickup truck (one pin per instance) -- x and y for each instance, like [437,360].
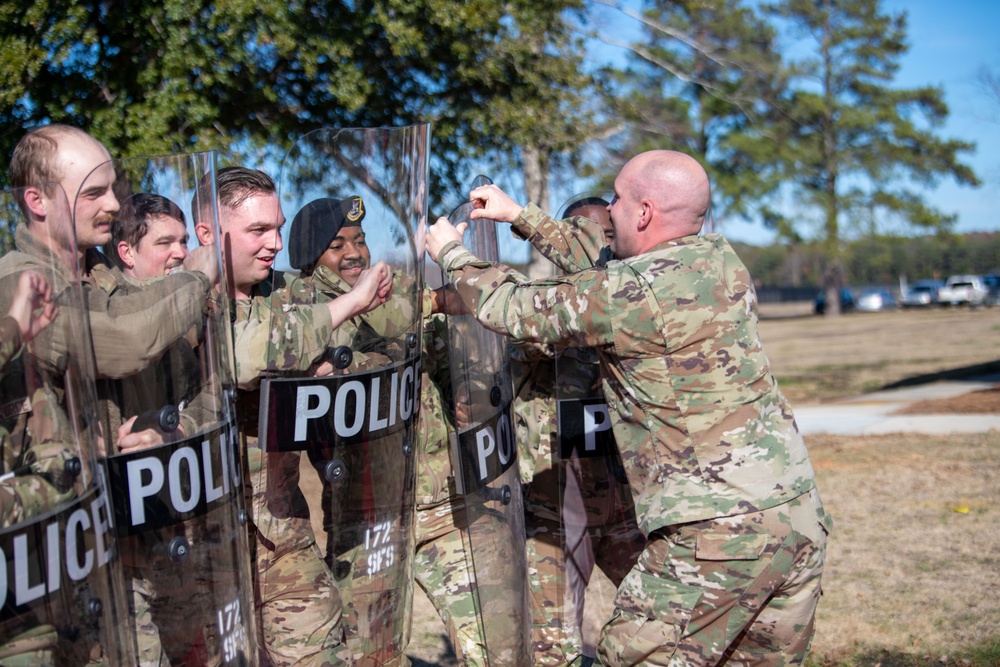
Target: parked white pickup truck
[963,289]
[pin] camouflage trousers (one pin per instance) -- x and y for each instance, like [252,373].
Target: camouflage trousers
[561,560]
[739,590]
[164,634]
[299,610]
[376,590]
[443,569]
[33,647]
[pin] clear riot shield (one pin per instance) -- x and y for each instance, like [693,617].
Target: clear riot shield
[597,524]
[596,515]
[173,465]
[62,595]
[337,432]
[488,476]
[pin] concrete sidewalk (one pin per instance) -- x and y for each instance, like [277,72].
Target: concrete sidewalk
[872,414]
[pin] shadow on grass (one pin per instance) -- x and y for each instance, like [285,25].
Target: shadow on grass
[975,371]
[446,659]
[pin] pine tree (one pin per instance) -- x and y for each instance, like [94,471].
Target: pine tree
[854,145]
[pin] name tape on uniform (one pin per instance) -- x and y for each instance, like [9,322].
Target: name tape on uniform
[304,413]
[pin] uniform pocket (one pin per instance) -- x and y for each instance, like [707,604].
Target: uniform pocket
[722,546]
[651,614]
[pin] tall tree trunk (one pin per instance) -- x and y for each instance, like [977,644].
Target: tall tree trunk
[536,186]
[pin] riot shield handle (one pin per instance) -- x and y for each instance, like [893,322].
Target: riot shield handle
[502,494]
[63,479]
[167,419]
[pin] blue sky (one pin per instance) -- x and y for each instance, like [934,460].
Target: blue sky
[949,43]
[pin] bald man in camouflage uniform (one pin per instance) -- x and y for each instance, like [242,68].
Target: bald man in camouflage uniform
[721,478]
[280,327]
[321,244]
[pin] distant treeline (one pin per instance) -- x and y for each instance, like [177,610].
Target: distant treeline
[875,260]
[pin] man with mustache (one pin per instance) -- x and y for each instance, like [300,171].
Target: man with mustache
[327,244]
[64,182]
[130,328]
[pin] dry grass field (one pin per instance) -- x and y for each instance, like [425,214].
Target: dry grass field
[913,575]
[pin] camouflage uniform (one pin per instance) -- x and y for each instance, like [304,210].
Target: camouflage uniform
[720,476]
[299,607]
[375,341]
[578,512]
[25,496]
[441,564]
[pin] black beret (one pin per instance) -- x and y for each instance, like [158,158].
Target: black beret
[316,225]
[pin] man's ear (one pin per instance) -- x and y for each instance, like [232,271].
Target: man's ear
[645,215]
[205,233]
[35,202]
[125,253]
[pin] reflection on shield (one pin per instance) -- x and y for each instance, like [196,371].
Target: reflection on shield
[362,193]
[488,477]
[62,594]
[178,506]
[597,523]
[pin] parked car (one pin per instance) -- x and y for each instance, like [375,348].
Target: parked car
[921,294]
[846,301]
[875,300]
[992,282]
[963,289]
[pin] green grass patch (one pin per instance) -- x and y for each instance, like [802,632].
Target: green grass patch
[985,654]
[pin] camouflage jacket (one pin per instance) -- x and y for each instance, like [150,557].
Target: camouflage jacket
[573,244]
[280,329]
[128,333]
[543,374]
[174,378]
[37,438]
[435,476]
[702,428]
[25,496]
[10,340]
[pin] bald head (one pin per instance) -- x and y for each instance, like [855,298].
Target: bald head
[659,196]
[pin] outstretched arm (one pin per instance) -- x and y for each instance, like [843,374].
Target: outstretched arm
[572,245]
[571,310]
[275,334]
